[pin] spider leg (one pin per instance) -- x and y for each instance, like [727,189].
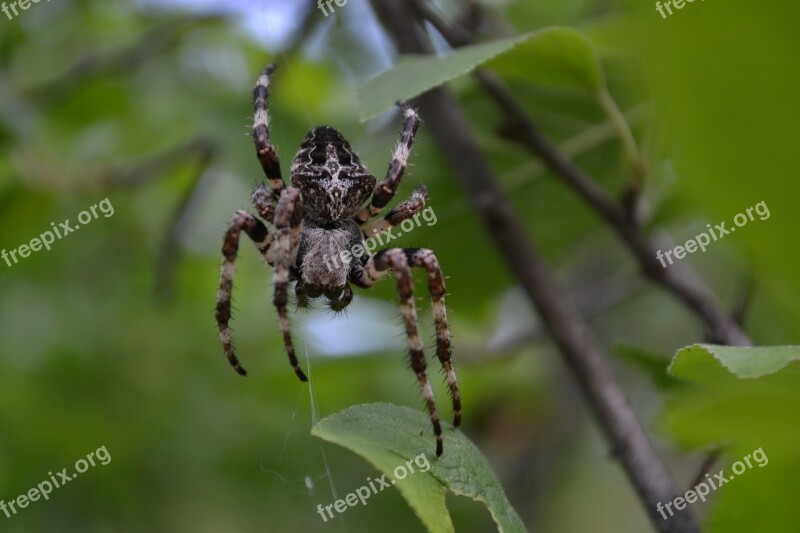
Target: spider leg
[424,258]
[401,212]
[288,225]
[258,233]
[264,200]
[385,190]
[397,260]
[267,155]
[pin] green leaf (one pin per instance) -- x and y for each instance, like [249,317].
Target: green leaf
[562,56]
[557,56]
[701,361]
[387,436]
[744,399]
[413,75]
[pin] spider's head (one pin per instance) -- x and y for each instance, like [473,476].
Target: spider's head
[333,180]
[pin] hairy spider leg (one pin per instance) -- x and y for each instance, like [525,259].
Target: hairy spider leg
[267,155]
[401,261]
[424,258]
[264,200]
[288,227]
[262,238]
[400,212]
[385,190]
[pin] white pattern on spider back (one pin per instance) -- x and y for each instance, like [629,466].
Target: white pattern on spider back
[333,180]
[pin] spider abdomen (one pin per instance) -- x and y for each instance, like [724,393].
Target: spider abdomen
[327,253]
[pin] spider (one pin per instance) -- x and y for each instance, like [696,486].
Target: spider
[324,212]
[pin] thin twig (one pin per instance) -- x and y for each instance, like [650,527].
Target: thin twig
[577,344]
[712,457]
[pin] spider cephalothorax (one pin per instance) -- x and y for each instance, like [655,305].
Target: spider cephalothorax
[322,215]
[331,177]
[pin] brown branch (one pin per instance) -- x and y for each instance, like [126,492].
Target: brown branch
[698,297]
[581,350]
[676,280]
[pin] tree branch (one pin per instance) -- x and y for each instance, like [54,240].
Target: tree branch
[577,344]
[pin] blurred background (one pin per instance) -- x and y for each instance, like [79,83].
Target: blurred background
[109,338]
